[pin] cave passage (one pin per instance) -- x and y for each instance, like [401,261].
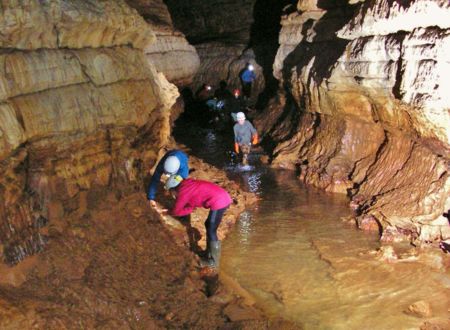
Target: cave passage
[298,258]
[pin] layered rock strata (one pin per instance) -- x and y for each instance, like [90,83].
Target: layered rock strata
[81,110]
[364,109]
[171,54]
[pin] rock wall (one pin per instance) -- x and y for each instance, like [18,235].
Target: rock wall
[221,33]
[81,110]
[364,109]
[171,54]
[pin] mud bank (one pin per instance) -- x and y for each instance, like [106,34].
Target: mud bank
[121,265]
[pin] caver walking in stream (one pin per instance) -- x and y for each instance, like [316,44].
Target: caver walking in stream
[244,136]
[173,162]
[193,193]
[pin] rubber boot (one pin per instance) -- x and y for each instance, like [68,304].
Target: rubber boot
[206,256]
[212,259]
[215,250]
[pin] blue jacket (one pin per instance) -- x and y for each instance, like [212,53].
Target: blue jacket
[248,76]
[183,171]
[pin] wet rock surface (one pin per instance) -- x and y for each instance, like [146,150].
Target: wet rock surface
[111,269]
[361,109]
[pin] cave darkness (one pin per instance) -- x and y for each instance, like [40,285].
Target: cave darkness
[257,27]
[264,41]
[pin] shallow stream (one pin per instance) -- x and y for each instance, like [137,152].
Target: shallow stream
[300,261]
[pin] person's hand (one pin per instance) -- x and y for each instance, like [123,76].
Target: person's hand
[255,139]
[236,147]
[152,203]
[162,211]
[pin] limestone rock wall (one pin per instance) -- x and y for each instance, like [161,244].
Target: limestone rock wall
[364,108]
[81,110]
[171,54]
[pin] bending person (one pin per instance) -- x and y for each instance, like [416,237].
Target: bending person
[173,162]
[189,195]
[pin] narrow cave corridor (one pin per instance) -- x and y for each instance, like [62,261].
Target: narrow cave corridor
[326,123]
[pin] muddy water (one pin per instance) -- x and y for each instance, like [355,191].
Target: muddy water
[300,261]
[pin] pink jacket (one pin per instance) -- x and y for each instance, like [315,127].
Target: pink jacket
[198,193]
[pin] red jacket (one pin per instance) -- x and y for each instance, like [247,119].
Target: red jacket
[198,193]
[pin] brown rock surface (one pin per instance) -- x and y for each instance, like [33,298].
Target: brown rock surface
[171,54]
[33,24]
[84,112]
[225,62]
[421,309]
[110,269]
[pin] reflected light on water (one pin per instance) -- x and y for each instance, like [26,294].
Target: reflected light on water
[254,182]
[244,227]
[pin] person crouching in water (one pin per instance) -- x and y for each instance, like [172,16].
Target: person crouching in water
[193,193]
[244,136]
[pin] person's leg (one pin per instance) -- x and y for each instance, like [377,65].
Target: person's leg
[213,243]
[246,89]
[245,151]
[213,222]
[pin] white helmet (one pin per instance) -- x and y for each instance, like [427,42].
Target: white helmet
[240,115]
[172,165]
[173,182]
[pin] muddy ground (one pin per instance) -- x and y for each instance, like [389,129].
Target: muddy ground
[122,266]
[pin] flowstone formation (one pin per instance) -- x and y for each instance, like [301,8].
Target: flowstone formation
[81,110]
[364,109]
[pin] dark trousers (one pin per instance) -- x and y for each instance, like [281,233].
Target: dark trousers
[213,222]
[247,89]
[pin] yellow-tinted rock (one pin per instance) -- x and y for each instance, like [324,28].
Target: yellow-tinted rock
[33,24]
[11,133]
[27,24]
[421,309]
[30,72]
[81,109]
[84,108]
[91,23]
[108,65]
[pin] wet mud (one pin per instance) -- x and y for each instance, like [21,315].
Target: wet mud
[122,266]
